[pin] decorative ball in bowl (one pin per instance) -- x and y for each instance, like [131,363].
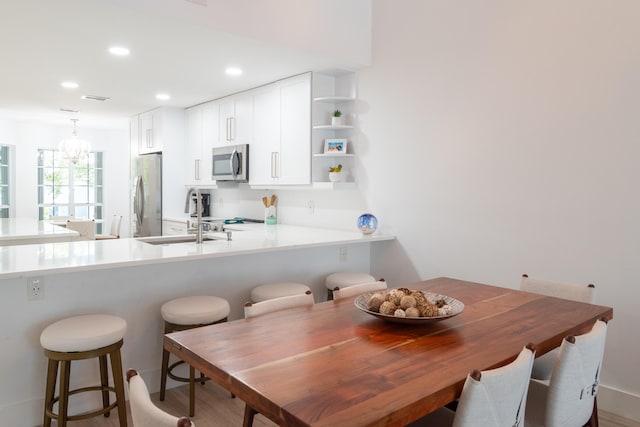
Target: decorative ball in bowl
[407,306]
[367,223]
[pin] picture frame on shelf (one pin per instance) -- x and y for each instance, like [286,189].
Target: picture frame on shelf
[335,146]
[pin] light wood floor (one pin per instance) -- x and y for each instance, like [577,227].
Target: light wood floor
[216,408]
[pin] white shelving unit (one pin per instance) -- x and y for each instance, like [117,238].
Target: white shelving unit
[331,91]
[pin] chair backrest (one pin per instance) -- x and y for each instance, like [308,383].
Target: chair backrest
[274,304]
[361,288]
[86,228]
[144,412]
[558,289]
[496,397]
[116,222]
[574,381]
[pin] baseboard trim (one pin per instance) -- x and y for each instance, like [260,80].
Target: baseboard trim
[619,402]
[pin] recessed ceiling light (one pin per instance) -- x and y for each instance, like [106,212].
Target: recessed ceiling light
[95,97]
[233,71]
[163,96]
[119,50]
[69,85]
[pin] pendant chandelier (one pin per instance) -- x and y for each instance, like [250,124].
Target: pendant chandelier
[73,148]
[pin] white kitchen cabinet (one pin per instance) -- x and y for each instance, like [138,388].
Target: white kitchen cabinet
[210,132]
[336,91]
[280,151]
[150,132]
[265,145]
[193,146]
[155,128]
[295,135]
[235,119]
[201,136]
[171,227]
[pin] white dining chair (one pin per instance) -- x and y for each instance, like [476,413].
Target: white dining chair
[543,365]
[495,397]
[143,412]
[353,290]
[114,229]
[86,228]
[253,309]
[568,399]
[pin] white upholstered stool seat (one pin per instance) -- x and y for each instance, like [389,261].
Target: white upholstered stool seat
[83,333]
[187,313]
[78,338]
[277,290]
[195,310]
[343,280]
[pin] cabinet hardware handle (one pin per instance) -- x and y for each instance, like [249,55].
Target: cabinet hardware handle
[274,164]
[197,169]
[232,128]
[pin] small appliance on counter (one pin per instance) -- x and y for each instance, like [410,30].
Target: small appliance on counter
[206,211]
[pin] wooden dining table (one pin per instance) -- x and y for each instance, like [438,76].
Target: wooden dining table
[333,364]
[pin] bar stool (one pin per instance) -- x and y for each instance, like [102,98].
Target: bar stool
[79,338]
[344,280]
[277,290]
[185,313]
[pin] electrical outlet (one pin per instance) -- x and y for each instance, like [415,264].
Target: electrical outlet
[35,288]
[311,207]
[343,254]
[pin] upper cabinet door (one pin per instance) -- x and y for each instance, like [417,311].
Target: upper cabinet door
[295,134]
[236,115]
[193,150]
[150,132]
[210,134]
[264,151]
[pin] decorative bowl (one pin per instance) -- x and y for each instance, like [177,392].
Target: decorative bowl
[456,306]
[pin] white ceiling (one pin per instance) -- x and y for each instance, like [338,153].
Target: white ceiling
[45,42]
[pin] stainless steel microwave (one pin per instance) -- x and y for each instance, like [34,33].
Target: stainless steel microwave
[231,163]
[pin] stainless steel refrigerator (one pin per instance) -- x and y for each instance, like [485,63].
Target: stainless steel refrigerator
[147,195]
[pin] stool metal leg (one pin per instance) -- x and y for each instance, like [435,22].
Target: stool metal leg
[104,381]
[50,390]
[63,402]
[118,383]
[163,374]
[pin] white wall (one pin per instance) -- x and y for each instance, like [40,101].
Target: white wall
[29,136]
[508,134]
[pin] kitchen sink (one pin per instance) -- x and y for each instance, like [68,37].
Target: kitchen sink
[168,240]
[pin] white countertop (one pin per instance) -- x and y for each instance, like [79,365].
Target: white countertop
[61,257]
[28,230]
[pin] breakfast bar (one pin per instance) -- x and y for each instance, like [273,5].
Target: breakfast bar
[132,279]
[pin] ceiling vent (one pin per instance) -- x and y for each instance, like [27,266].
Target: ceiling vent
[95,97]
[69,110]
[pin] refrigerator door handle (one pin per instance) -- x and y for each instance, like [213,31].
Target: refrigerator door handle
[139,200]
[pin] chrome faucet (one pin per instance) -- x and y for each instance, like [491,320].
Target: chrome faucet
[190,191]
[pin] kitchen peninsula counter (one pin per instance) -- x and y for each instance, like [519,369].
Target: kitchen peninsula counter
[64,257]
[132,279]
